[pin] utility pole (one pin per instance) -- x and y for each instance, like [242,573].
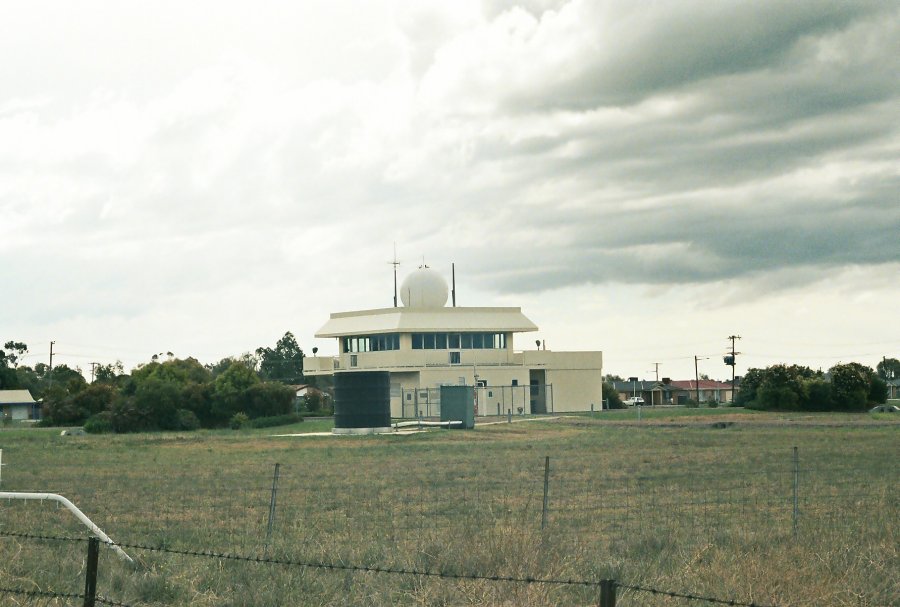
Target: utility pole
[732,361]
[93,366]
[656,365]
[50,370]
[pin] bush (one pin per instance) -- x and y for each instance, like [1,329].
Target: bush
[275,420]
[238,421]
[712,404]
[691,403]
[268,399]
[187,420]
[613,400]
[99,423]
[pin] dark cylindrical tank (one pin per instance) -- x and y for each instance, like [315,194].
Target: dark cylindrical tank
[362,399]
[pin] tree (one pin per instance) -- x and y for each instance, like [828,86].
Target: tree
[9,360]
[850,385]
[888,368]
[283,363]
[108,374]
[13,351]
[611,395]
[614,378]
[229,389]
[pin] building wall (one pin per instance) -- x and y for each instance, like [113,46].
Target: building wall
[574,389]
[16,411]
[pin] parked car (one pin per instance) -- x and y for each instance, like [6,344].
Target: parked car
[634,400]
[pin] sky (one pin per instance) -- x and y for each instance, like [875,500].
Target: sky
[641,178]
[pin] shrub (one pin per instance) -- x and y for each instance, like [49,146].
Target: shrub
[691,403]
[238,421]
[613,400]
[268,399]
[712,404]
[187,420]
[276,420]
[99,423]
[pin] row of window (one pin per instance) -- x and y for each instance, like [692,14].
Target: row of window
[458,341]
[372,343]
[427,341]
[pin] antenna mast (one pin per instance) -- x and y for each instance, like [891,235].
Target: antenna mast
[395,263]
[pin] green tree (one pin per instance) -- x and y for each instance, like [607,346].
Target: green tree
[282,363]
[13,351]
[229,389]
[850,385]
[108,374]
[9,359]
[611,395]
[267,399]
[888,368]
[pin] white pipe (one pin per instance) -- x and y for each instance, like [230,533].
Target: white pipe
[407,424]
[53,497]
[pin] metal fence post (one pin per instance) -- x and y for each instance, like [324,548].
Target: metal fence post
[796,516]
[607,593]
[546,506]
[271,509]
[90,576]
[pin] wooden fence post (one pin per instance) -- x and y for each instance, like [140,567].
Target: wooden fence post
[90,577]
[607,593]
[546,493]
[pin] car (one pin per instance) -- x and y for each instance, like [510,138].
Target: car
[634,400]
[885,409]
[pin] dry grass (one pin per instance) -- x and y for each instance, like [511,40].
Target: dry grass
[674,503]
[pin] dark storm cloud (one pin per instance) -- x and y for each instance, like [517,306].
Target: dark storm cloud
[701,144]
[647,49]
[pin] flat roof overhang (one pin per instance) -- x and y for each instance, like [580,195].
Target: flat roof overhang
[411,320]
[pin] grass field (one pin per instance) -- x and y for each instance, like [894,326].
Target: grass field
[696,501]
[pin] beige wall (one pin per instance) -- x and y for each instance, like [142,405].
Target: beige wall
[575,390]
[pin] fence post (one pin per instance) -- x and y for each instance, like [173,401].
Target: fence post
[509,416]
[271,510]
[607,593]
[546,506]
[796,516]
[90,576]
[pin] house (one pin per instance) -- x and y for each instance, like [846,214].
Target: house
[709,390]
[893,388]
[425,344]
[668,392]
[653,392]
[18,404]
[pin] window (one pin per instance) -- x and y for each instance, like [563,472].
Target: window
[453,341]
[429,341]
[353,360]
[371,343]
[454,358]
[515,382]
[440,341]
[417,341]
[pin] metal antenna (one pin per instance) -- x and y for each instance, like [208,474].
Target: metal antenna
[396,264]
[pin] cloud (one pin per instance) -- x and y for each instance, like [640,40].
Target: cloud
[185,157]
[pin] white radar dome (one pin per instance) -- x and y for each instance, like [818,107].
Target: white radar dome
[424,288]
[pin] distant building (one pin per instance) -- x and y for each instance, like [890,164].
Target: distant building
[668,392]
[425,344]
[18,404]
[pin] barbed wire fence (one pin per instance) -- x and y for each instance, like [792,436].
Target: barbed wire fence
[667,505]
[606,589]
